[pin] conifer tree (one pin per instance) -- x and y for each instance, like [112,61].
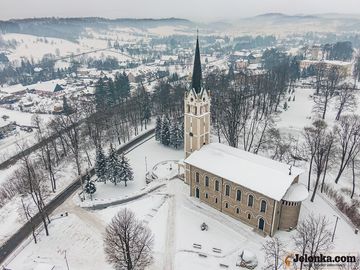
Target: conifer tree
[158,127]
[176,135]
[100,165]
[113,166]
[100,95]
[165,131]
[122,86]
[173,135]
[66,106]
[126,172]
[110,99]
[90,187]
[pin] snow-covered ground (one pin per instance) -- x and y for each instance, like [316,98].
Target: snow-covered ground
[30,46]
[142,159]
[11,218]
[300,114]
[171,214]
[10,145]
[175,220]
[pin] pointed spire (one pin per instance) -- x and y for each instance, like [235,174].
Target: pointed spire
[197,75]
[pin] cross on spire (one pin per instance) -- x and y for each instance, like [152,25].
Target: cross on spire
[197,74]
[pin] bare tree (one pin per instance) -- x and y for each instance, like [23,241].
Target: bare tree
[354,166]
[45,151]
[231,117]
[348,135]
[356,72]
[274,254]
[28,213]
[322,144]
[32,183]
[128,242]
[280,147]
[320,71]
[330,158]
[68,126]
[327,91]
[312,238]
[345,100]
[312,136]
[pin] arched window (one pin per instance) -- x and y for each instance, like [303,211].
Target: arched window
[238,195]
[216,185]
[216,200]
[250,200]
[227,190]
[226,205]
[197,177]
[237,210]
[249,216]
[206,181]
[263,206]
[206,195]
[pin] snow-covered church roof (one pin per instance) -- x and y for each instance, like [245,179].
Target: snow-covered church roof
[266,176]
[296,193]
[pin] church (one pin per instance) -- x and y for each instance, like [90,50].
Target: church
[260,192]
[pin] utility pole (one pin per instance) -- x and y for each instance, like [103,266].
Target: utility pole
[337,218]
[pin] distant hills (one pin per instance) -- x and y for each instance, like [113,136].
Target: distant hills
[72,28]
[299,23]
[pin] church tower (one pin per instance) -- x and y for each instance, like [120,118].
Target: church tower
[196,111]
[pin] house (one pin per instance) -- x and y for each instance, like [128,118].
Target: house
[344,67]
[260,192]
[314,52]
[255,58]
[6,127]
[17,89]
[49,88]
[241,64]
[8,98]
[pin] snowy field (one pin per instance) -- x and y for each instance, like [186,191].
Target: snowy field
[35,47]
[30,46]
[10,145]
[175,220]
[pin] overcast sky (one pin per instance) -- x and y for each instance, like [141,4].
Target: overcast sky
[201,10]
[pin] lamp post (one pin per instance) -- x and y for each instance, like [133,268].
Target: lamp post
[332,238]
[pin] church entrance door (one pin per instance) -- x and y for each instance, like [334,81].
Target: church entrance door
[197,193]
[261,224]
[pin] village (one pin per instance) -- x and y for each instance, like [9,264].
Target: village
[218,145]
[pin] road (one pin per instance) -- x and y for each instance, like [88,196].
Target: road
[14,241]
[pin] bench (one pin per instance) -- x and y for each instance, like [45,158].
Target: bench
[217,250]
